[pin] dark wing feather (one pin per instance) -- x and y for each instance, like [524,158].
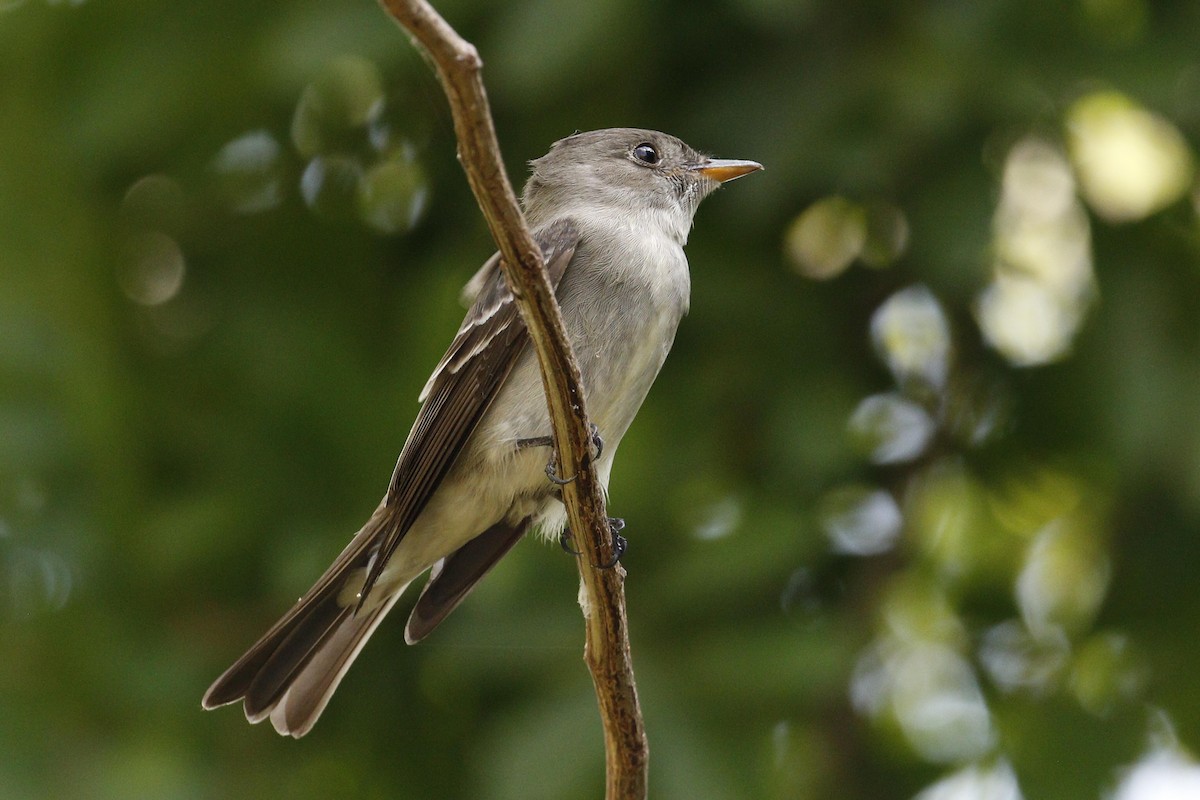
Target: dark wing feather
[459,393]
[456,575]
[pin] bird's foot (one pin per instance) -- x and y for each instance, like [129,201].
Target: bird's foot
[552,466]
[564,541]
[619,543]
[597,443]
[552,474]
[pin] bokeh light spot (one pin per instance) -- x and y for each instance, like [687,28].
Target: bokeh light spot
[152,269]
[1042,281]
[392,196]
[1161,775]
[949,523]
[721,520]
[912,336]
[861,521]
[1064,579]
[891,429]
[1015,660]
[826,237]
[939,705]
[346,96]
[329,186]
[250,172]
[930,692]
[1131,163]
[996,782]
[1024,321]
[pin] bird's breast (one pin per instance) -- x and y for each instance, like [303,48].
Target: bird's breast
[622,308]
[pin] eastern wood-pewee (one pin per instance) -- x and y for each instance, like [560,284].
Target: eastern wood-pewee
[611,210]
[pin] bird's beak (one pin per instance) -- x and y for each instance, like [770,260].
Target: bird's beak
[726,169]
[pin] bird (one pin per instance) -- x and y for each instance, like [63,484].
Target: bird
[611,211]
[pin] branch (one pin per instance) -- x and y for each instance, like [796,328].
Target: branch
[607,654]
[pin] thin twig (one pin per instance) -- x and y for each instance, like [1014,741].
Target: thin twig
[607,653]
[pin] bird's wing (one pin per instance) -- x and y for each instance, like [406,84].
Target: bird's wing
[459,392]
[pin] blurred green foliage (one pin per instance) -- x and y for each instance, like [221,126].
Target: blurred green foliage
[914,507]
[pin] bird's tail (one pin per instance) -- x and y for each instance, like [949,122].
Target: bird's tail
[292,671]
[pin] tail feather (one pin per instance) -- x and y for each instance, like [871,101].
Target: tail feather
[296,709]
[292,671]
[309,637]
[306,653]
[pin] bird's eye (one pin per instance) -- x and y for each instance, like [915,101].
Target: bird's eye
[646,153]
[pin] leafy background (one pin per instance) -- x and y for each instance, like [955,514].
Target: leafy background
[914,507]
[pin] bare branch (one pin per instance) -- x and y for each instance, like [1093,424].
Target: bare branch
[607,654]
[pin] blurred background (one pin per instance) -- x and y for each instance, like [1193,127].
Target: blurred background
[914,507]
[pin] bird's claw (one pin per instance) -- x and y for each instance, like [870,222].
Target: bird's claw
[551,466]
[553,475]
[597,443]
[564,541]
[619,543]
